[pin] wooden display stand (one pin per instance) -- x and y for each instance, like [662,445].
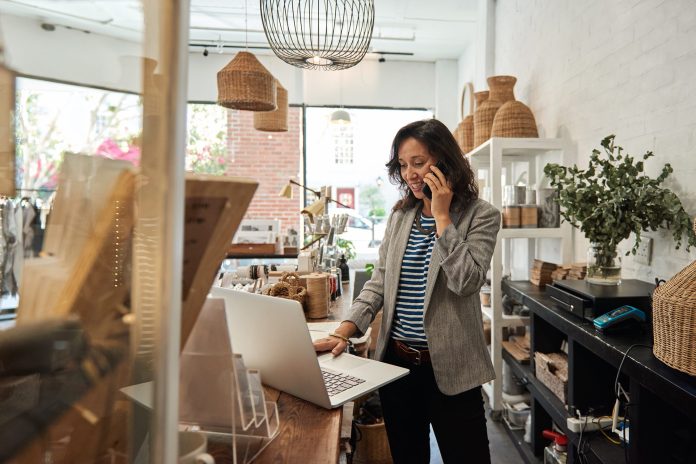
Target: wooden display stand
[84,272]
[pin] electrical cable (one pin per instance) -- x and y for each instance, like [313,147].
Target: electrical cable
[617,393]
[603,429]
[582,457]
[618,372]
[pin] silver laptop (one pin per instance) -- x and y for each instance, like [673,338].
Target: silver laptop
[272,336]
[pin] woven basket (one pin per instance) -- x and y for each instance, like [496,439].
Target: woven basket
[244,84]
[501,92]
[674,320]
[371,445]
[274,121]
[514,119]
[467,125]
[479,98]
[288,287]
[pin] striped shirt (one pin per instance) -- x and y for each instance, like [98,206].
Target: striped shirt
[408,318]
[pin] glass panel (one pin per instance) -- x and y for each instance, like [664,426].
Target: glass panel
[93,136]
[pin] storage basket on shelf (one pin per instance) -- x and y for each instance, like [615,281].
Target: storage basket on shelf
[500,92]
[674,320]
[514,119]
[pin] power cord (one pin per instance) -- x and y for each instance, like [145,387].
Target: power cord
[618,389]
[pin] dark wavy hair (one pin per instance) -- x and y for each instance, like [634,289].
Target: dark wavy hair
[441,145]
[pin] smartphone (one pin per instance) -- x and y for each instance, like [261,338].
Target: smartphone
[426,188]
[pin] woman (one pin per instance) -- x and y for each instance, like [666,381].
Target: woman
[432,263]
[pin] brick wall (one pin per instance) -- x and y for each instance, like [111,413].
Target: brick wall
[271,158]
[592,68]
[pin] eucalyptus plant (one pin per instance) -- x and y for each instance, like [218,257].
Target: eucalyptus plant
[613,197]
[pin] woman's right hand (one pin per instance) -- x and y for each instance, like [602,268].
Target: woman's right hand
[333,344]
[336,344]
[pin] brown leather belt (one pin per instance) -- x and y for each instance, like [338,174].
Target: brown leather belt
[408,354]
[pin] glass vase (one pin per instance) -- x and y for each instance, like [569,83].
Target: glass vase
[603,265]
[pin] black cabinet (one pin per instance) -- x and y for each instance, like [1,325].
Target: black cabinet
[662,408]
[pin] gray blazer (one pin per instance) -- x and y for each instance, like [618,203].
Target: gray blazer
[453,323]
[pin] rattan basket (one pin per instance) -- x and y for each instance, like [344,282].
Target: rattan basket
[674,320]
[501,92]
[371,444]
[244,84]
[288,287]
[277,120]
[514,119]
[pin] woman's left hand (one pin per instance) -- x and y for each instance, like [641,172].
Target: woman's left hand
[442,193]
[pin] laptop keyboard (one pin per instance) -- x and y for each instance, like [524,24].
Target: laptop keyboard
[337,382]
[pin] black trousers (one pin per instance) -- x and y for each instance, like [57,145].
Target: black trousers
[411,404]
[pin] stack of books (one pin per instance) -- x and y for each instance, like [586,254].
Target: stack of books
[541,272]
[561,272]
[578,271]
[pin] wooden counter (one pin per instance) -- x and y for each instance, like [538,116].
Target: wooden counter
[308,433]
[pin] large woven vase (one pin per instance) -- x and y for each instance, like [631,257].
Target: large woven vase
[500,92]
[514,119]
[468,123]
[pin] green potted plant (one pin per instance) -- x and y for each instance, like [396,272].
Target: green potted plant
[612,198]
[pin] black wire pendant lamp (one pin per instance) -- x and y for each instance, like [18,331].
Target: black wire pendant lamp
[319,34]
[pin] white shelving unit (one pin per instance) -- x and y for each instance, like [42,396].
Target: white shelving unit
[502,161]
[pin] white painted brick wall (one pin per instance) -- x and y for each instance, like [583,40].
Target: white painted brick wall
[595,67]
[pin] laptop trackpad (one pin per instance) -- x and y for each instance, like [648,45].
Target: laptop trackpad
[344,362]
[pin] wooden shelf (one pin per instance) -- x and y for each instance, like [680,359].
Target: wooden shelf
[516,146]
[548,400]
[552,232]
[525,450]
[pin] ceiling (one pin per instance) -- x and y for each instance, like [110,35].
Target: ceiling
[404,29]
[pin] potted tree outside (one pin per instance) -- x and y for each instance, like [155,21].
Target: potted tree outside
[613,198]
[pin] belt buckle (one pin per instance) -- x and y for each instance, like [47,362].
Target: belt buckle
[418,357]
[417,360]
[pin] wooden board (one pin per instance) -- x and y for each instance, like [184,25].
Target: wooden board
[7,132]
[90,230]
[516,352]
[215,206]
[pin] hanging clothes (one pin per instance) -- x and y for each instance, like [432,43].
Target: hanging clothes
[10,231]
[31,226]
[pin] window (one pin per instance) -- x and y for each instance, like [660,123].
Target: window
[351,159]
[55,118]
[343,143]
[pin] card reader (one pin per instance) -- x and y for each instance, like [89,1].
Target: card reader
[623,314]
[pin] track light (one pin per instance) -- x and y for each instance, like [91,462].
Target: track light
[205,52]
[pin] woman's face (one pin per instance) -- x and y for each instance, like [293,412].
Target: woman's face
[415,162]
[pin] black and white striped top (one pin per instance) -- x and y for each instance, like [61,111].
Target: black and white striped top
[408,318]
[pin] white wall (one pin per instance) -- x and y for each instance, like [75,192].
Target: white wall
[592,68]
[70,55]
[96,60]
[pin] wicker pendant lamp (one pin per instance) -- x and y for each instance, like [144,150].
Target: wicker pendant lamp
[245,84]
[318,34]
[277,120]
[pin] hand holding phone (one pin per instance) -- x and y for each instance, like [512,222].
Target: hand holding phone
[426,189]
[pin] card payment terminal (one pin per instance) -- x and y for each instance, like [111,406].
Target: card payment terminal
[619,316]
